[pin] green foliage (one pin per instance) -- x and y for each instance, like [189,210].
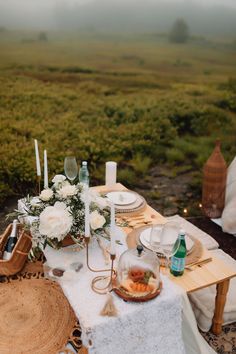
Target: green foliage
[127,176]
[179,32]
[174,155]
[198,121]
[94,99]
[141,164]
[228,101]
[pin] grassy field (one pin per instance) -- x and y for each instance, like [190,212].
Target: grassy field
[136,99]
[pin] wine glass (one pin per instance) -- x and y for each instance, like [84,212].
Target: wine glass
[71,168]
[155,237]
[169,241]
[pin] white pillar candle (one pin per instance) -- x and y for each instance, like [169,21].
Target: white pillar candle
[112,230]
[38,168]
[111,171]
[45,169]
[87,216]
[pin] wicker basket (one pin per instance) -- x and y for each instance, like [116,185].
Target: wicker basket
[19,253]
[214,183]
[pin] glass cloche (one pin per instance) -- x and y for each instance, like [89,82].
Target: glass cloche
[139,273]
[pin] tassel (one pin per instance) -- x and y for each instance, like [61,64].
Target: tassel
[109,308]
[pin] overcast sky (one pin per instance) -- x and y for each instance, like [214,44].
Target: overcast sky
[50,3]
[54,14]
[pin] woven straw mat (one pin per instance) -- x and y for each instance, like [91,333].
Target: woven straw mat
[36,318]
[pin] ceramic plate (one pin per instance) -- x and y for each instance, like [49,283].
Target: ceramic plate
[122,198]
[145,240]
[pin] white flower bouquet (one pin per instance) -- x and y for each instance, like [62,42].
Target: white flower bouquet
[60,211]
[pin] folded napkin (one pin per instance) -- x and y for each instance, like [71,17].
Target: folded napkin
[207,241]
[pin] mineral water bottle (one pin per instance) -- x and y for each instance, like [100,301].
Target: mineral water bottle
[178,259]
[11,241]
[84,173]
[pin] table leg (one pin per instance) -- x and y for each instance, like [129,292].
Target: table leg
[221,292]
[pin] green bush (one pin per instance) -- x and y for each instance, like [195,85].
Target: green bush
[174,155]
[141,164]
[127,177]
[228,101]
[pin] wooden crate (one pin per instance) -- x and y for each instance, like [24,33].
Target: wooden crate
[19,253]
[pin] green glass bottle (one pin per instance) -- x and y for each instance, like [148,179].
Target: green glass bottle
[178,259]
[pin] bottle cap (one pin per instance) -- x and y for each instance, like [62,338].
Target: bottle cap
[84,163]
[182,232]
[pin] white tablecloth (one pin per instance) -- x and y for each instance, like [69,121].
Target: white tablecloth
[163,325]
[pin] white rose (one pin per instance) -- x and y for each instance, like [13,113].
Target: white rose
[67,191]
[35,202]
[55,221]
[58,179]
[102,202]
[46,194]
[96,220]
[96,198]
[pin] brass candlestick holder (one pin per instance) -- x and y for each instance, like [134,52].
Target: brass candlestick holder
[102,278]
[38,185]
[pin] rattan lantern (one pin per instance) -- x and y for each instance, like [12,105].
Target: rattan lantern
[214,183]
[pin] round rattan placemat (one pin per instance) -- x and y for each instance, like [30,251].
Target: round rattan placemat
[197,252]
[35,317]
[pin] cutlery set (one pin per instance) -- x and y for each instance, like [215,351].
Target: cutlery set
[136,221]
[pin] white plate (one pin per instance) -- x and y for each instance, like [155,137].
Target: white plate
[122,198]
[145,240]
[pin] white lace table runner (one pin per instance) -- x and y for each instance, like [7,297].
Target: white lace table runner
[139,328]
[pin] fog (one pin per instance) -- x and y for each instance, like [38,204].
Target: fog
[211,17]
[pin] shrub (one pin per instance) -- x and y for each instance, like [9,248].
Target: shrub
[174,156]
[127,177]
[228,101]
[43,37]
[141,164]
[179,32]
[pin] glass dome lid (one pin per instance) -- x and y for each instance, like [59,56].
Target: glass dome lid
[139,272]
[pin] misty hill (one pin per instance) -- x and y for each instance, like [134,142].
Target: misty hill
[121,16]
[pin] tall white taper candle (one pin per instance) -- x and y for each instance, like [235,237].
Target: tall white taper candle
[38,168]
[87,216]
[45,169]
[112,230]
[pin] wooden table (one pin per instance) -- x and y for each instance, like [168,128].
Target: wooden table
[215,272]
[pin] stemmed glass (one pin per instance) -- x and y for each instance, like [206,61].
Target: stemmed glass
[71,168]
[169,241]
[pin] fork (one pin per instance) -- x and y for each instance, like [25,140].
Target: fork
[192,266]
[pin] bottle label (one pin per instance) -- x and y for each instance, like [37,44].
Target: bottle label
[177,264]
